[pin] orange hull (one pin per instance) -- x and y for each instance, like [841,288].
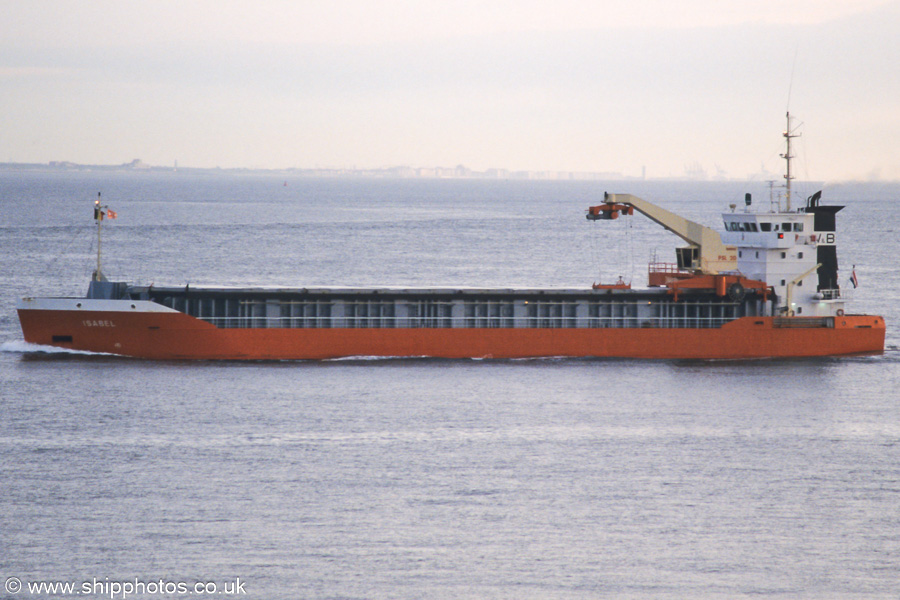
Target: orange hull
[171,335]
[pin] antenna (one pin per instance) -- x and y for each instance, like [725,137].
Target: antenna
[791,83]
[772,202]
[788,134]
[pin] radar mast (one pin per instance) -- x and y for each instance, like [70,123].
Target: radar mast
[787,156]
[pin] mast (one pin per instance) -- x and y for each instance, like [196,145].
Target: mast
[787,156]
[98,216]
[101,212]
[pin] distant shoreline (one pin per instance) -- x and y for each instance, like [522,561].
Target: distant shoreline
[401,172]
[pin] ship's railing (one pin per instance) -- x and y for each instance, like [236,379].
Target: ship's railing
[606,322]
[661,273]
[667,268]
[834,294]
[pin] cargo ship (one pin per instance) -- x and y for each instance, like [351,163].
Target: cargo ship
[766,287]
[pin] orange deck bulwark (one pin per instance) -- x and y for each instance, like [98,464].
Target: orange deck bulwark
[178,336]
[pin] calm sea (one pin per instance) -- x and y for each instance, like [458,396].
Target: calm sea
[422,478]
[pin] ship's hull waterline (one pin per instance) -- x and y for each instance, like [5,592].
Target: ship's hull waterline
[174,335]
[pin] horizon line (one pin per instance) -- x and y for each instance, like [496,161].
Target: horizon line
[406,172]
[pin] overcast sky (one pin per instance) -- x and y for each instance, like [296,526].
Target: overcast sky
[570,85]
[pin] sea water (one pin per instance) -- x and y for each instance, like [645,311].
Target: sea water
[423,478]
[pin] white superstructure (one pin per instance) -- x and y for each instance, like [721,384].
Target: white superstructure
[786,250]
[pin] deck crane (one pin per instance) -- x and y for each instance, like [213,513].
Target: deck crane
[706,263]
[705,253]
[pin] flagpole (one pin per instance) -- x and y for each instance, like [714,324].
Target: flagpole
[98,215]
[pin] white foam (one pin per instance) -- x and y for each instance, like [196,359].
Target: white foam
[367,358]
[425,356]
[23,347]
